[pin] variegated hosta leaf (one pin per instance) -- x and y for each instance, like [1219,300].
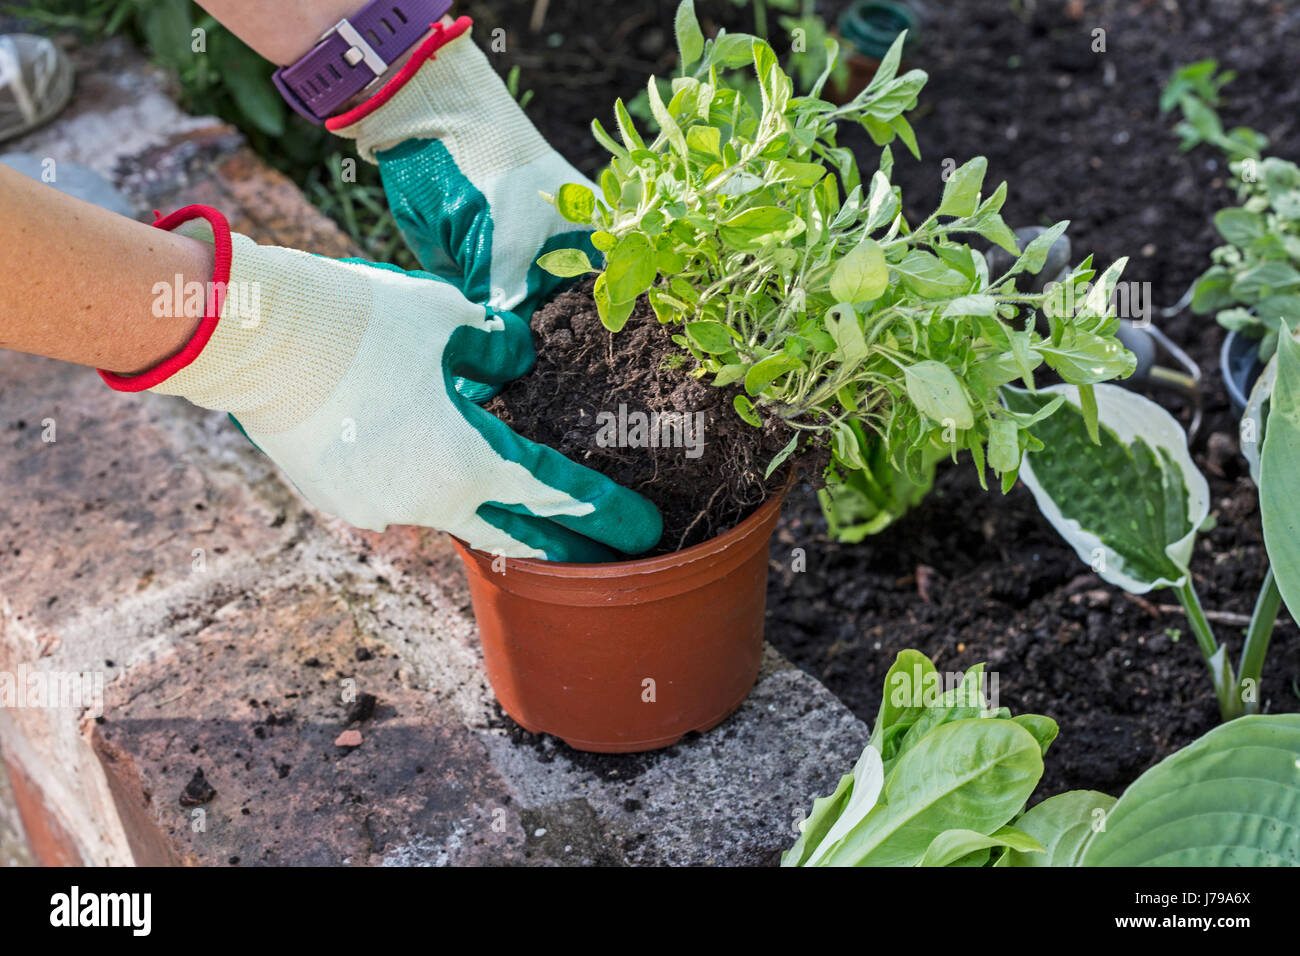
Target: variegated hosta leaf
[1279,474]
[1129,507]
[1251,432]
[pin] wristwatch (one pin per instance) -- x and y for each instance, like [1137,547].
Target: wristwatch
[354,53]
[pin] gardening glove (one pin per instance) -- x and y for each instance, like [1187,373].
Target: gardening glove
[341,372]
[463,169]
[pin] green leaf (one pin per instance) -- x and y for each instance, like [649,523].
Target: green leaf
[935,391]
[764,373]
[951,845]
[901,701]
[630,268]
[961,192]
[1279,489]
[781,456]
[1211,291]
[665,119]
[1129,506]
[746,410]
[1062,825]
[1034,257]
[865,783]
[861,275]
[712,337]
[566,263]
[613,315]
[690,38]
[928,276]
[1239,226]
[1231,798]
[971,774]
[846,329]
[1004,446]
[245,75]
[705,139]
[762,225]
[575,202]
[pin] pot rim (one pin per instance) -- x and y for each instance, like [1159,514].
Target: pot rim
[674,559]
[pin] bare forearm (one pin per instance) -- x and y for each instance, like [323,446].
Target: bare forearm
[79,281]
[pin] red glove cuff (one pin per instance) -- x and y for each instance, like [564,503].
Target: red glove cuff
[441,36]
[215,298]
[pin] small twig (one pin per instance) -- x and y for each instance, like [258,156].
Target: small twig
[539,15]
[1218,617]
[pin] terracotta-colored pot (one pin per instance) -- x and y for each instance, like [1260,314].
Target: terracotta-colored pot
[628,656]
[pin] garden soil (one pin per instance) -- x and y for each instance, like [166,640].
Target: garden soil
[970,575]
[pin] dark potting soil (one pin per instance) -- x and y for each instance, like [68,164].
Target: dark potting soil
[607,400]
[973,575]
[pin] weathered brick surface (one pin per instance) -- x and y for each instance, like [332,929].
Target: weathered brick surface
[257,698]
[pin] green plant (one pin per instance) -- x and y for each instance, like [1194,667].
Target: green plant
[827,309]
[944,779]
[1254,282]
[1132,507]
[939,782]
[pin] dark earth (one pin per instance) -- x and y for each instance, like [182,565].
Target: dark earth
[708,471]
[974,576]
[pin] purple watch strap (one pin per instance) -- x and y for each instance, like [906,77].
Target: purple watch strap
[354,53]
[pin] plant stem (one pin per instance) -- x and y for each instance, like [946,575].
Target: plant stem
[1225,688]
[1258,634]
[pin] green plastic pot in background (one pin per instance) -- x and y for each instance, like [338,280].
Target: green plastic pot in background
[870,27]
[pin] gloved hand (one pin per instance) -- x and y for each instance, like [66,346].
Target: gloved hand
[462,168]
[341,372]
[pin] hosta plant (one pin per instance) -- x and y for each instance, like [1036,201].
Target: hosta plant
[944,780]
[794,280]
[1253,285]
[1132,505]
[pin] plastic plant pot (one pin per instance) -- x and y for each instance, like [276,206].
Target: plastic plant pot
[1240,365]
[628,656]
[871,27]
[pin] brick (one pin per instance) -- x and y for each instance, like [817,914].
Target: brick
[255,700]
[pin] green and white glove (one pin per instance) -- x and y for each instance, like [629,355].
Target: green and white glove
[342,373]
[463,170]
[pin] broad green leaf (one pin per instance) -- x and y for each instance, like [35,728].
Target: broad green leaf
[1239,226]
[901,703]
[705,139]
[664,118]
[1264,280]
[951,845]
[972,774]
[961,192]
[971,305]
[1129,506]
[613,315]
[934,389]
[763,225]
[712,337]
[928,276]
[882,204]
[690,38]
[862,275]
[575,202]
[1004,446]
[566,263]
[746,410]
[630,268]
[1231,798]
[868,779]
[814,827]
[1279,474]
[1084,358]
[1211,292]
[763,373]
[1062,825]
[845,328]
